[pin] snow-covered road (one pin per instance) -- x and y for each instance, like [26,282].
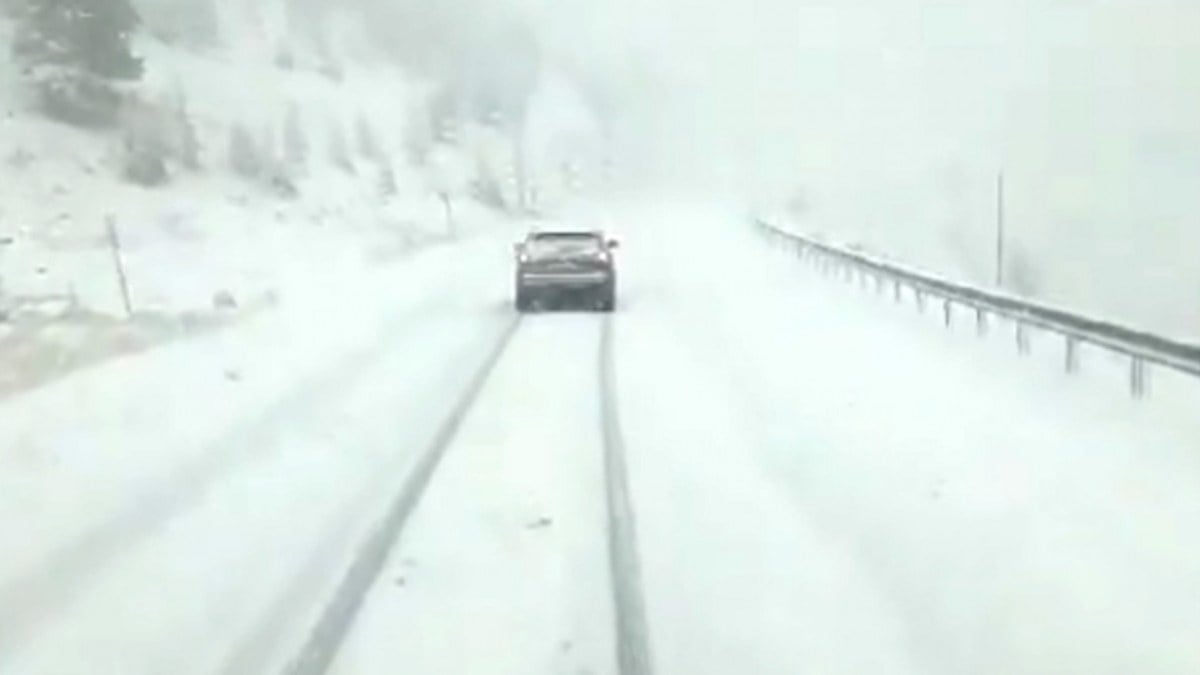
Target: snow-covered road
[819,484]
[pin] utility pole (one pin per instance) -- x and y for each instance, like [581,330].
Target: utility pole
[1000,230]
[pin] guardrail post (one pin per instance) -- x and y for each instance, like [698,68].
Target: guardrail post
[1137,377]
[948,312]
[1072,355]
[920,296]
[896,290]
[879,284]
[981,322]
[1022,338]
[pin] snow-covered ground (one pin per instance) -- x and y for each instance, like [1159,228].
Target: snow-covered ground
[520,585]
[820,481]
[220,468]
[1005,517]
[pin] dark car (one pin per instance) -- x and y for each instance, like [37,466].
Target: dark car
[556,269]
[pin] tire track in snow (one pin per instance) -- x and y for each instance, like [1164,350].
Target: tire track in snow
[27,600]
[329,633]
[632,631]
[325,639]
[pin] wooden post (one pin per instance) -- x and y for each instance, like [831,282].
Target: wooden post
[445,196]
[1022,338]
[1072,355]
[114,244]
[1137,378]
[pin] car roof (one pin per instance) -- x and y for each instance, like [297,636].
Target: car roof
[555,234]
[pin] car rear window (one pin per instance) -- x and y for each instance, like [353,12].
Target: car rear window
[563,245]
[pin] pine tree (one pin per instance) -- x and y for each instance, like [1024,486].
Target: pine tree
[244,156]
[295,145]
[388,189]
[339,148]
[189,141]
[368,142]
[71,52]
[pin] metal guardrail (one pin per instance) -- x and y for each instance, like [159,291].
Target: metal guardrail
[1142,348]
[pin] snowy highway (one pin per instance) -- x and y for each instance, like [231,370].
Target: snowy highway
[746,469]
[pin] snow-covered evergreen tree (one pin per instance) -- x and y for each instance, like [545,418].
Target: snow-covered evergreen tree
[91,36]
[72,52]
[368,142]
[339,147]
[295,145]
[189,141]
[244,156]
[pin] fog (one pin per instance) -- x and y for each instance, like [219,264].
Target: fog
[890,120]
[882,122]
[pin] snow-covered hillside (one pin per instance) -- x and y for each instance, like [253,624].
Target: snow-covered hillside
[327,125]
[333,113]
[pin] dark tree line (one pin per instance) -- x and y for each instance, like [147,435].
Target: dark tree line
[74,52]
[91,36]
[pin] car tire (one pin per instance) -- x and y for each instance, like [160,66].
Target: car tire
[523,302]
[607,301]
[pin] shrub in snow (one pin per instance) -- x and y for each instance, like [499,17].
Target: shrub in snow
[224,300]
[388,189]
[332,70]
[485,189]
[244,156]
[283,185]
[145,167]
